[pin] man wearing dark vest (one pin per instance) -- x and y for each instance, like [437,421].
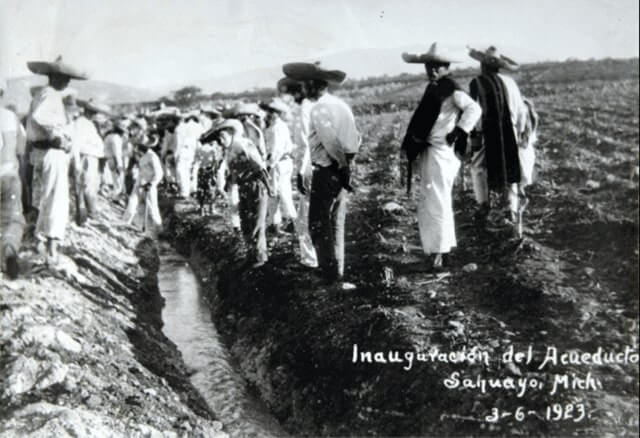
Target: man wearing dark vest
[503,156]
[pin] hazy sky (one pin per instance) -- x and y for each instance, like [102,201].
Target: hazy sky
[154,43]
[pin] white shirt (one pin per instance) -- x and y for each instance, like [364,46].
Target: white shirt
[86,139]
[301,118]
[459,104]
[113,144]
[150,169]
[278,141]
[48,119]
[10,127]
[332,131]
[187,135]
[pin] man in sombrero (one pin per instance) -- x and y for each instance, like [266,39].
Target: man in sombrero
[503,155]
[334,141]
[88,149]
[142,208]
[248,171]
[435,138]
[49,132]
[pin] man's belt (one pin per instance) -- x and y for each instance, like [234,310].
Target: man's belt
[43,144]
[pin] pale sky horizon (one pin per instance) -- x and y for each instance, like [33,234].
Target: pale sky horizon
[157,43]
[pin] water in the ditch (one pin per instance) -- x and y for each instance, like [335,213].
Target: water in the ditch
[188,323]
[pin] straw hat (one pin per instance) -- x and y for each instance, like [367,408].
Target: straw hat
[434,55]
[150,141]
[493,58]
[302,71]
[56,67]
[232,124]
[251,109]
[278,106]
[95,107]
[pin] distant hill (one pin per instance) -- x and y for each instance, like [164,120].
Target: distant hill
[19,95]
[358,63]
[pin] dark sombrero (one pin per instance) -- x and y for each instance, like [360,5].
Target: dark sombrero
[57,67]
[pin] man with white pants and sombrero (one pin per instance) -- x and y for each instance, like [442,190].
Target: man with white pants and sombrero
[142,208]
[435,138]
[50,135]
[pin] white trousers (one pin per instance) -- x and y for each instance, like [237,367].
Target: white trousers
[53,216]
[141,202]
[438,166]
[183,175]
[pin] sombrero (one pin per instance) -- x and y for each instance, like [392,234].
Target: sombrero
[209,109]
[493,58]
[150,141]
[234,125]
[302,71]
[251,109]
[434,55]
[278,106]
[95,107]
[57,67]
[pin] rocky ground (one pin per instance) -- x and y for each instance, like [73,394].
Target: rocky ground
[571,283]
[81,347]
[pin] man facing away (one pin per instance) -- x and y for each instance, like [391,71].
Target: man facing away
[333,140]
[12,148]
[503,155]
[437,131]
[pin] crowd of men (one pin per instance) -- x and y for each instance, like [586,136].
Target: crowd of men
[252,154]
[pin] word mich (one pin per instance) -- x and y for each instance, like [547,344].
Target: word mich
[472,356]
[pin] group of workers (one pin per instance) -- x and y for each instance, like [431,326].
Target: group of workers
[251,155]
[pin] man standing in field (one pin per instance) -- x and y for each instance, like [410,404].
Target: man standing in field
[436,135]
[503,155]
[333,140]
[12,148]
[49,131]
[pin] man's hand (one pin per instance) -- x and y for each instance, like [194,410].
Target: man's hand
[456,135]
[345,177]
[300,184]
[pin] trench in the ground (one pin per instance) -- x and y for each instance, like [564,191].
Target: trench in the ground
[187,322]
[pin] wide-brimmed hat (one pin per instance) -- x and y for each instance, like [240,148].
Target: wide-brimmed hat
[251,109]
[492,57]
[302,71]
[57,67]
[434,55]
[278,106]
[95,107]
[140,122]
[151,141]
[232,124]
[210,110]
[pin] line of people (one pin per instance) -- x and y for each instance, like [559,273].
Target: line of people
[250,154]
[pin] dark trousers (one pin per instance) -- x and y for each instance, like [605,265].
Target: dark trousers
[327,212]
[253,213]
[11,218]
